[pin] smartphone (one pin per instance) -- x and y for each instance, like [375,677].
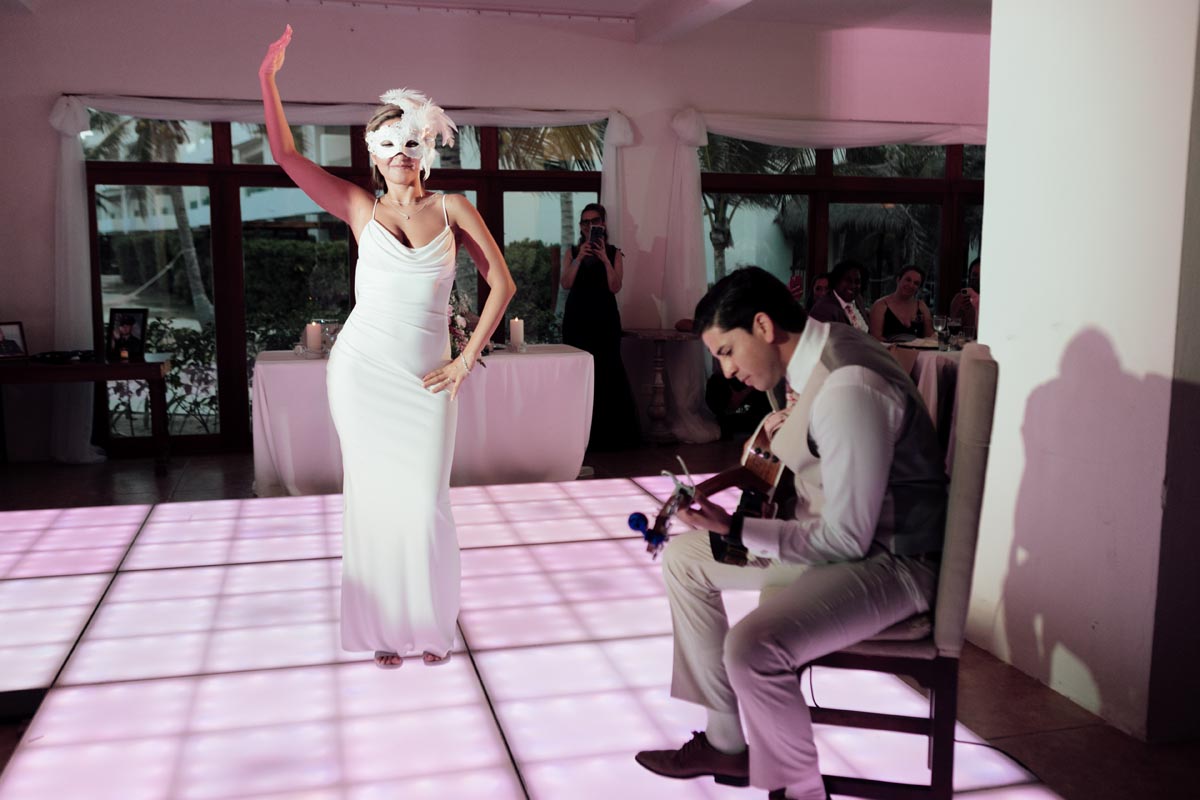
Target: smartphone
[597,234]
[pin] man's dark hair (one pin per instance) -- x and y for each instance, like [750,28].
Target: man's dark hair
[841,270]
[739,296]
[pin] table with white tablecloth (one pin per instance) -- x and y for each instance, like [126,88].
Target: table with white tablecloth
[936,375]
[524,417]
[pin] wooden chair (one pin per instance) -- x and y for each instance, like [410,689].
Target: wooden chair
[928,651]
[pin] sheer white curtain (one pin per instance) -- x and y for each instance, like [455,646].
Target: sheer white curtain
[73,277]
[71,403]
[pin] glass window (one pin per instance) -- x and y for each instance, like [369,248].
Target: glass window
[295,267]
[466,274]
[727,154]
[155,253]
[764,230]
[973,230]
[891,161]
[538,228]
[327,145]
[974,157]
[884,237]
[464,154]
[576,148]
[114,137]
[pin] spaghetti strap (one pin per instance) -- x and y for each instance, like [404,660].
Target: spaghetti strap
[374,207]
[445,216]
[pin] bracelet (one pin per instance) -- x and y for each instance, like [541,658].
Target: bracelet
[463,356]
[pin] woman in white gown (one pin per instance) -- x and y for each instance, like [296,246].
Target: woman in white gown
[390,371]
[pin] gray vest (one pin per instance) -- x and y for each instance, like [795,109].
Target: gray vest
[912,520]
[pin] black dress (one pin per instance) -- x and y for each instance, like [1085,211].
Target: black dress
[592,322]
[892,326]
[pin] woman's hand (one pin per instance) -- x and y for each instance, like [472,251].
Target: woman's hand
[273,61]
[448,376]
[709,516]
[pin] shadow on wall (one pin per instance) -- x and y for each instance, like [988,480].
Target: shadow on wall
[1078,597]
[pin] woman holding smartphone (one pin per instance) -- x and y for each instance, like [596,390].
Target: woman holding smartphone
[592,272]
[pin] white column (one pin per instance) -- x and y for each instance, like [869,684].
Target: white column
[1090,124]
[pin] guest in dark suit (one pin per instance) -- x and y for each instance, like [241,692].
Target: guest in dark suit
[843,304]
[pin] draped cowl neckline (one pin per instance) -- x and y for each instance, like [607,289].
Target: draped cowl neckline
[391,237]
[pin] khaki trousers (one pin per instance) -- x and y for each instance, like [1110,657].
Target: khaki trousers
[813,611]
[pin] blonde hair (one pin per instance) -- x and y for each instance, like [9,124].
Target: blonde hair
[384,114]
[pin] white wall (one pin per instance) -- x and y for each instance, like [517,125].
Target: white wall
[1090,117]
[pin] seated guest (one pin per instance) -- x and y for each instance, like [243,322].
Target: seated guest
[845,564]
[901,314]
[965,305]
[820,288]
[843,303]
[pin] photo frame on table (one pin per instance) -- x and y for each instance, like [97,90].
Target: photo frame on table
[126,336]
[12,340]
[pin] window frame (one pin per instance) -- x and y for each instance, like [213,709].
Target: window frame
[224,180]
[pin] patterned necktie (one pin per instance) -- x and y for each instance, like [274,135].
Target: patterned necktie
[855,318]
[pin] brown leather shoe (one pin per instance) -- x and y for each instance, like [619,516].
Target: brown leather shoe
[696,759]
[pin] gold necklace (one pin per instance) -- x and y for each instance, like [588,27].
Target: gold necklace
[420,204]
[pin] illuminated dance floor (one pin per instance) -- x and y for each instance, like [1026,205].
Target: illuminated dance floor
[190,650]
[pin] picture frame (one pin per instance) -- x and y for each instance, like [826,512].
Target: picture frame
[125,338]
[12,341]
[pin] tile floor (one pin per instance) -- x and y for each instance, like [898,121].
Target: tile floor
[222,614]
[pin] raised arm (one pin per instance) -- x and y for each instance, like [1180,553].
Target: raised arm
[345,200]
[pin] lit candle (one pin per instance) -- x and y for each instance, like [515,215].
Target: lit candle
[516,332]
[312,336]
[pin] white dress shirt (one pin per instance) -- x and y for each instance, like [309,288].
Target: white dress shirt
[856,420]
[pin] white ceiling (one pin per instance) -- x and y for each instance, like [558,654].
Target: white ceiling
[661,20]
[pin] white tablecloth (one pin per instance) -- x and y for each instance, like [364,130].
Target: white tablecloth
[525,417]
[936,376]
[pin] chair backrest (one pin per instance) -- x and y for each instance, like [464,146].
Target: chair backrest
[976,401]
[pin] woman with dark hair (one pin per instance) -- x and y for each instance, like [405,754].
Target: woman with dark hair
[592,273]
[901,314]
[391,381]
[820,288]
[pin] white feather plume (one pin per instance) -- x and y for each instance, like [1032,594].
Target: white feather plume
[404,98]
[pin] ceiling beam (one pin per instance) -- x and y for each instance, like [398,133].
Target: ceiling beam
[665,20]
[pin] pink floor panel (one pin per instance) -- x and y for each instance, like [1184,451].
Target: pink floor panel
[190,650]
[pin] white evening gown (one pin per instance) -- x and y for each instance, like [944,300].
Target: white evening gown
[400,559]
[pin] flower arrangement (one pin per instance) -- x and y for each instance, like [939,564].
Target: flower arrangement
[461,322]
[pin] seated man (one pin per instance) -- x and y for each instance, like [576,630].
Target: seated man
[858,554]
[843,303]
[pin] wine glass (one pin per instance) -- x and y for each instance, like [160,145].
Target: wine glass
[954,328]
[939,325]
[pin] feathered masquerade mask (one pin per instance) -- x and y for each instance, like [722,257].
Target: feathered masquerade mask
[415,133]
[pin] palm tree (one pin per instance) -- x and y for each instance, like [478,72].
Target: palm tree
[728,154]
[886,236]
[135,139]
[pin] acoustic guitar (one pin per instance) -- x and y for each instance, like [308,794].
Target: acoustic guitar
[761,477]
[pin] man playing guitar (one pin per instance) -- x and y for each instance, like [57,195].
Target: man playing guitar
[856,555]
